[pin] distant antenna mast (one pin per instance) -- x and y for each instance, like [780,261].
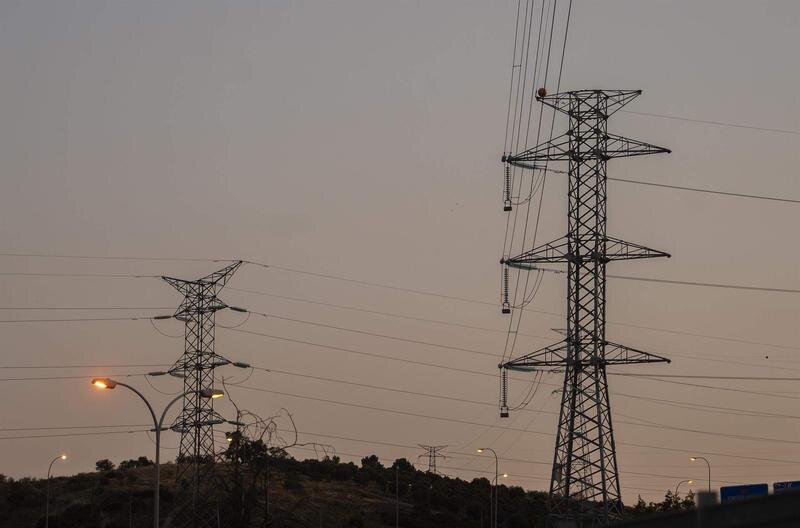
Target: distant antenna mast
[585,481]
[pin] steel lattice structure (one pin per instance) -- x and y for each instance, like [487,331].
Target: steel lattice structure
[196,366]
[584,486]
[432,452]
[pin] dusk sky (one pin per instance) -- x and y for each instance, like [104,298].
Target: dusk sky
[363,140]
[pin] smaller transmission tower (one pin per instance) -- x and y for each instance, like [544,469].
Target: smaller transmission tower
[432,452]
[196,366]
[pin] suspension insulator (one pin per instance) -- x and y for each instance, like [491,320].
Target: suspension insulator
[506,309]
[507,189]
[503,393]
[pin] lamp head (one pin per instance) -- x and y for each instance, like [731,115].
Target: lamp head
[690,482]
[212,394]
[63,457]
[480,450]
[104,383]
[693,459]
[504,475]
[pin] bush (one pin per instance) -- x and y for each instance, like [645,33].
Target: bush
[104,465]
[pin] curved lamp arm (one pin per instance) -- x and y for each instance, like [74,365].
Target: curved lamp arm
[149,407]
[160,424]
[50,467]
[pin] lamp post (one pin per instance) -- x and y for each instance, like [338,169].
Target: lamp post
[496,477]
[47,494]
[107,384]
[679,485]
[694,459]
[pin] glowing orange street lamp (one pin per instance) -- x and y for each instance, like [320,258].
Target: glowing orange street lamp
[696,458]
[47,500]
[108,384]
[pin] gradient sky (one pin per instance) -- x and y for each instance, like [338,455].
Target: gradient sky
[362,139]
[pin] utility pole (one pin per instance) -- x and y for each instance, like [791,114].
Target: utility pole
[196,366]
[584,486]
[432,452]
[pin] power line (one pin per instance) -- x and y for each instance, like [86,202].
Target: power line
[361,353]
[460,454]
[66,427]
[689,405]
[701,376]
[706,284]
[716,123]
[373,334]
[487,472]
[649,424]
[103,275]
[467,422]
[682,282]
[75,320]
[310,433]
[111,257]
[700,407]
[373,284]
[368,283]
[725,389]
[86,308]
[142,365]
[449,398]
[378,312]
[490,303]
[53,378]
[709,191]
[457,369]
[95,433]
[705,336]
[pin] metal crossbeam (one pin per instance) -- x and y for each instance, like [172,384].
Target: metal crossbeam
[585,486]
[561,250]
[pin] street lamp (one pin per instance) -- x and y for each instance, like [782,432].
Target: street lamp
[108,384]
[694,459]
[679,485]
[47,500]
[496,476]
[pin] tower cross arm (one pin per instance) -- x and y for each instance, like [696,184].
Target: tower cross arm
[607,249]
[557,149]
[595,101]
[200,296]
[552,252]
[617,249]
[622,147]
[616,354]
[221,277]
[553,356]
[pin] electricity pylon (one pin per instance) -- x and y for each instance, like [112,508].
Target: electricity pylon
[584,486]
[432,452]
[197,418]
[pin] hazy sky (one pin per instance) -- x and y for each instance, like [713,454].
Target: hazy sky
[362,139]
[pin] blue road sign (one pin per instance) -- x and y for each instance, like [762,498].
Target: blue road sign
[747,491]
[786,486]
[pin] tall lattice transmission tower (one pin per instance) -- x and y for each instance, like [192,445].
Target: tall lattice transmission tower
[584,485]
[433,453]
[197,418]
